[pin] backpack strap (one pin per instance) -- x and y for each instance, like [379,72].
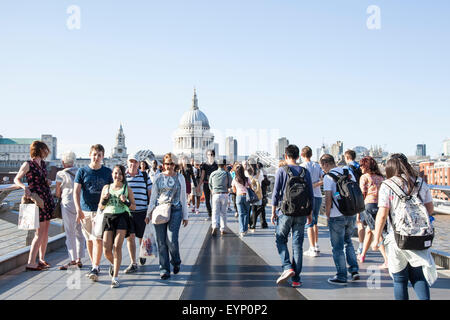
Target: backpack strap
[144,173]
[288,171]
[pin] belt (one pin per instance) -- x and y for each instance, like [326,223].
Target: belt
[220,192]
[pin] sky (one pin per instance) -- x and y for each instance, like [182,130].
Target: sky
[311,71]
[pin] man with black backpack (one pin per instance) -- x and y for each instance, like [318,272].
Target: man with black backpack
[343,200]
[354,167]
[293,193]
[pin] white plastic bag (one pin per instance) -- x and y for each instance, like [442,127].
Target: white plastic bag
[148,245]
[28,217]
[97,230]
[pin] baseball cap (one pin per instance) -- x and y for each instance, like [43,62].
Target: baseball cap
[133,157]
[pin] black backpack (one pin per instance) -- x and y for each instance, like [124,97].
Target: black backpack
[357,172]
[296,200]
[350,199]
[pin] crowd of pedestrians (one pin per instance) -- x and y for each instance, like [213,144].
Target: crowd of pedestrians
[355,196]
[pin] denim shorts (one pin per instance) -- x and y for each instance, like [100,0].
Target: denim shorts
[370,215]
[315,214]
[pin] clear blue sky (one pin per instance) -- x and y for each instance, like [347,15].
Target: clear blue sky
[310,69]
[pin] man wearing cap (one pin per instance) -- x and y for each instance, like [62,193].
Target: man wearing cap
[141,184]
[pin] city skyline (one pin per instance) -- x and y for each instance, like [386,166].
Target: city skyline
[311,72]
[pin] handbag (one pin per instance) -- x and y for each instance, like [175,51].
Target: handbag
[251,196]
[99,225]
[28,217]
[56,214]
[161,213]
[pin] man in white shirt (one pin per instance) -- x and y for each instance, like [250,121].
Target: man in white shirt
[341,227]
[316,176]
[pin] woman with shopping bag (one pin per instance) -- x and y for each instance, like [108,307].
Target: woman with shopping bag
[116,202]
[35,172]
[167,210]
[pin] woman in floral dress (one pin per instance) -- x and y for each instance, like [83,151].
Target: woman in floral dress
[36,174]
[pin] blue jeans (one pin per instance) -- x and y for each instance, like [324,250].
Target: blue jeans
[167,238]
[243,207]
[315,214]
[341,230]
[415,275]
[284,225]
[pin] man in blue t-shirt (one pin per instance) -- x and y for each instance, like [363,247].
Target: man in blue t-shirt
[88,186]
[285,223]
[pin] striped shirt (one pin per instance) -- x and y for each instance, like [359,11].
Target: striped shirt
[139,187]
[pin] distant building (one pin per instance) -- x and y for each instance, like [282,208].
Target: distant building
[280,147]
[119,151]
[337,150]
[216,149]
[193,136]
[421,150]
[231,149]
[436,173]
[361,151]
[447,147]
[19,148]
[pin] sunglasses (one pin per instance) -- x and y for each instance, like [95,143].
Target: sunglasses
[169,163]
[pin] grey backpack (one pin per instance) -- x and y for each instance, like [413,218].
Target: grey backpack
[411,223]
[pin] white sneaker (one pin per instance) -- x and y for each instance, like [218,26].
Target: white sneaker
[317,248]
[236,214]
[285,275]
[311,253]
[242,234]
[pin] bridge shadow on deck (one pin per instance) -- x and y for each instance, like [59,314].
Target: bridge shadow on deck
[227,269]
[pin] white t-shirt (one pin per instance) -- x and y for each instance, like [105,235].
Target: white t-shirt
[330,185]
[316,174]
[67,182]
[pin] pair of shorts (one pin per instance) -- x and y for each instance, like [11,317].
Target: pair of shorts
[315,214]
[87,225]
[194,191]
[138,224]
[117,221]
[370,215]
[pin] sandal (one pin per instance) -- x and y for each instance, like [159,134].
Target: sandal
[79,264]
[66,266]
[44,264]
[38,268]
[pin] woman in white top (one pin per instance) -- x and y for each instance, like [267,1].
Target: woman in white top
[416,266]
[169,187]
[75,241]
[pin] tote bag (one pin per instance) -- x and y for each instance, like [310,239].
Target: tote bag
[97,231]
[161,213]
[28,217]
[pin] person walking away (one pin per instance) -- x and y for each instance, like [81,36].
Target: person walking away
[88,186]
[75,241]
[354,167]
[370,183]
[233,194]
[206,169]
[35,172]
[198,190]
[219,184]
[341,227]
[116,202]
[316,176]
[293,196]
[264,186]
[240,185]
[141,185]
[169,187]
[404,196]
[256,180]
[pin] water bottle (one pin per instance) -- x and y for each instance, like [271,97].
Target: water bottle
[431,220]
[337,195]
